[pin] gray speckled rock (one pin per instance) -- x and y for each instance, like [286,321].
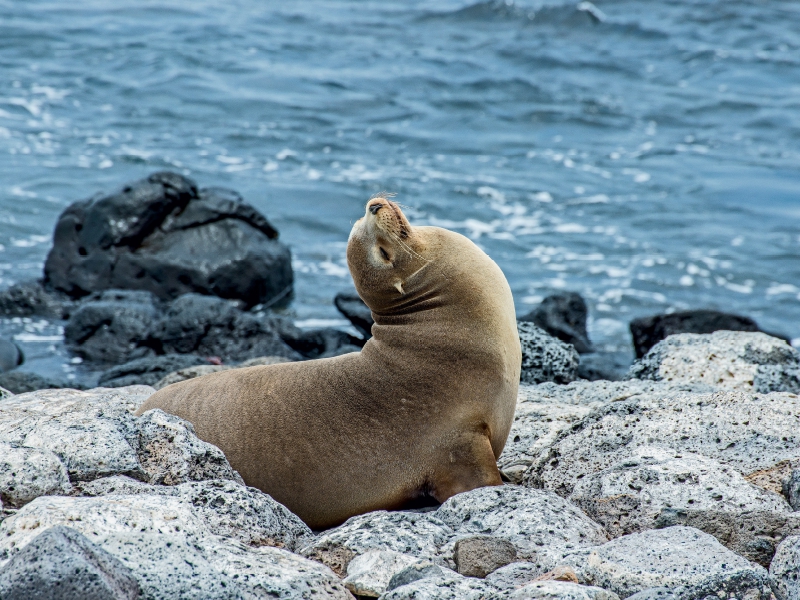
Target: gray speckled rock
[369,574]
[93,435]
[514,575]
[414,533]
[528,518]
[544,357]
[228,509]
[181,545]
[479,555]
[61,564]
[630,495]
[748,432]
[547,409]
[561,590]
[90,432]
[26,473]
[785,569]
[749,361]
[4,393]
[754,534]
[449,586]
[171,453]
[692,563]
[415,572]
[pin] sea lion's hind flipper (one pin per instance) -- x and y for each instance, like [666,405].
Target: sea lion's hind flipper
[469,464]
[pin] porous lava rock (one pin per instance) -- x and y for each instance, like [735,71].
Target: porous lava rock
[727,359]
[544,357]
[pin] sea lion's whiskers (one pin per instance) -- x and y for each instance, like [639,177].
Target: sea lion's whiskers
[408,248]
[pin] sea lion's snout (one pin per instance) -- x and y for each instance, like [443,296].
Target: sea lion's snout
[374,206]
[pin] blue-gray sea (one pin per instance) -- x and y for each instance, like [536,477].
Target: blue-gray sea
[645,154]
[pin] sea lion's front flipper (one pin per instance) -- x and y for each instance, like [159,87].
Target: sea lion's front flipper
[471,464]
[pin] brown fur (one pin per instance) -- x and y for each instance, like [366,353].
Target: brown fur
[423,409]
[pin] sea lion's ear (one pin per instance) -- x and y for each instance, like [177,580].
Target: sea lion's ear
[398,285]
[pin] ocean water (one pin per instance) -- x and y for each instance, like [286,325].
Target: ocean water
[645,154]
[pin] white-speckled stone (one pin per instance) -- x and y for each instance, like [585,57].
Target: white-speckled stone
[418,534]
[369,574]
[750,361]
[26,473]
[561,590]
[746,431]
[528,518]
[630,495]
[180,546]
[691,562]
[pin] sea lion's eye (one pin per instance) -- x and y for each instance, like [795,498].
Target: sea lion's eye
[384,254]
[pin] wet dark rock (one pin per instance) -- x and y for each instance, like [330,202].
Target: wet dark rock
[110,326]
[209,326]
[648,331]
[20,382]
[162,235]
[62,564]
[563,315]
[11,355]
[321,343]
[32,298]
[149,370]
[352,306]
[544,357]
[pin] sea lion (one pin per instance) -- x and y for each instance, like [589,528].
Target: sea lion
[423,410]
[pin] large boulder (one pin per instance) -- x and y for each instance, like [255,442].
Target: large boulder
[63,437]
[648,331]
[544,357]
[62,564]
[728,359]
[545,410]
[163,235]
[563,315]
[748,432]
[530,519]
[658,488]
[691,563]
[188,544]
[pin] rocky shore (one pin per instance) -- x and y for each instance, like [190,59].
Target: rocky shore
[675,478]
[682,481]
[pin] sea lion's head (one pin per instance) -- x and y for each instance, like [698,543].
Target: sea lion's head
[384,253]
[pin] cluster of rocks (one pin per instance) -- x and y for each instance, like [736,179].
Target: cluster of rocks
[162,276]
[681,482]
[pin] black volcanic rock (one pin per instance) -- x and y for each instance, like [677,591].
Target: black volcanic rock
[111,326]
[163,235]
[563,315]
[352,306]
[648,331]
